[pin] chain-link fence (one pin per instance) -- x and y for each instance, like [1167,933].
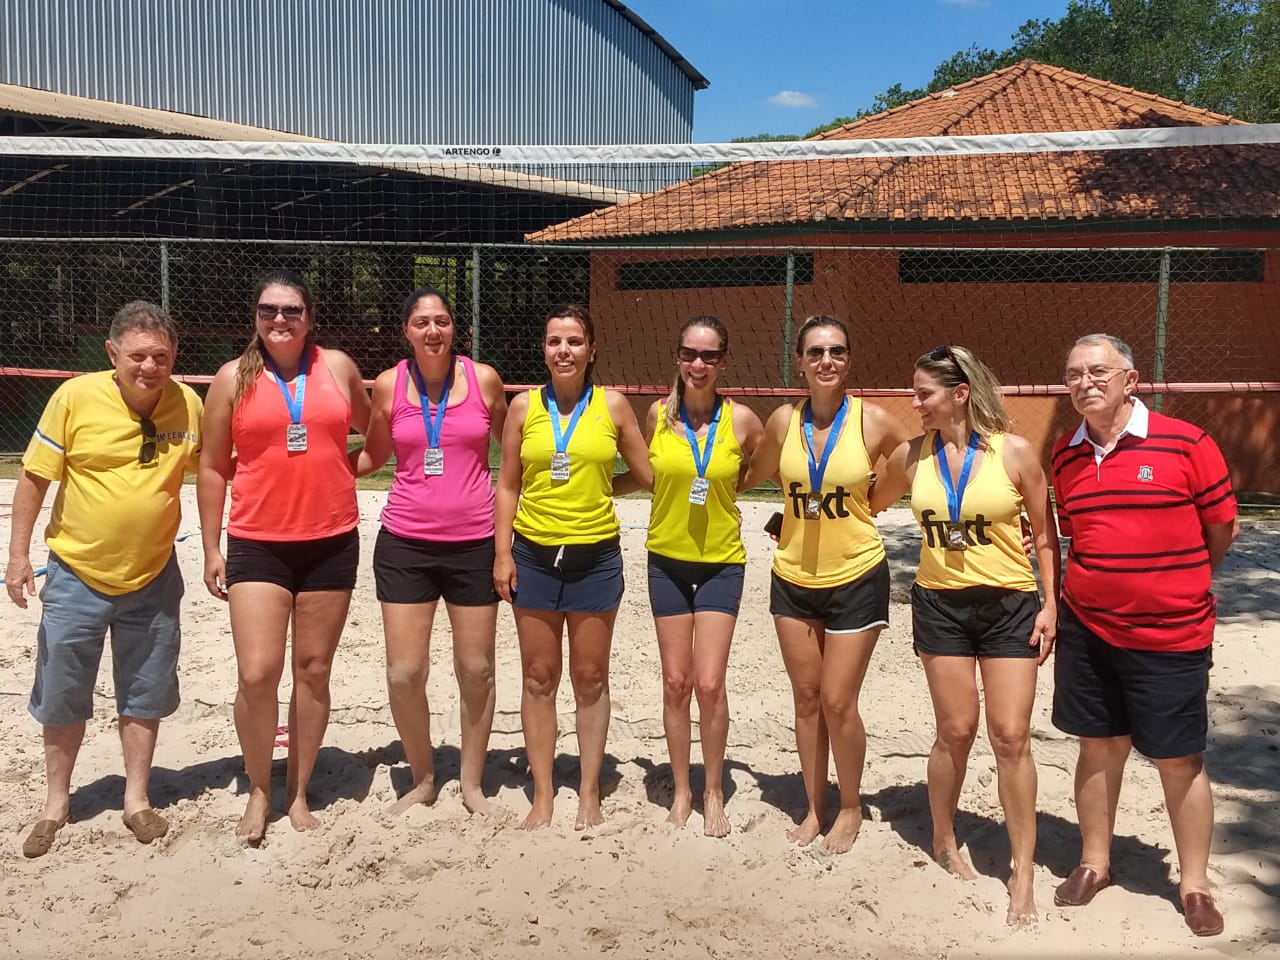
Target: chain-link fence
[1204,321]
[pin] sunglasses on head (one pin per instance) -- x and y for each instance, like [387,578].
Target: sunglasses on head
[709,357]
[147,452]
[838,351]
[944,352]
[268,311]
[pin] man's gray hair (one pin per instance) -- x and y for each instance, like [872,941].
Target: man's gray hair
[1105,339]
[141,315]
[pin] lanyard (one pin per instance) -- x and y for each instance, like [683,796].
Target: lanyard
[432,423]
[562,438]
[294,402]
[701,458]
[818,468]
[955,492]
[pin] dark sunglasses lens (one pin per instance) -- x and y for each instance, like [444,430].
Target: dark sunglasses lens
[939,353]
[147,453]
[148,428]
[709,357]
[268,311]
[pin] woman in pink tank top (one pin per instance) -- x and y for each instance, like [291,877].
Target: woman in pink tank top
[286,406]
[437,412]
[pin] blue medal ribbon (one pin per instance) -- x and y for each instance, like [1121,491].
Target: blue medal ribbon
[819,467]
[701,458]
[955,491]
[294,401]
[432,423]
[562,437]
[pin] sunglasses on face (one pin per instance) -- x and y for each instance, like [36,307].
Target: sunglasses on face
[838,351]
[709,357]
[147,452]
[268,311]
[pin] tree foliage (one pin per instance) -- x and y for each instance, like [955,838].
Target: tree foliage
[1222,55]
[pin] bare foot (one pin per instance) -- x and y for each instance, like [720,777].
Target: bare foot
[843,832]
[253,825]
[1022,900]
[422,792]
[807,832]
[301,817]
[681,807]
[948,857]
[539,816]
[589,814]
[474,800]
[714,822]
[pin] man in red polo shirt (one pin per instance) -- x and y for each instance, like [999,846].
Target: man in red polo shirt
[1148,506]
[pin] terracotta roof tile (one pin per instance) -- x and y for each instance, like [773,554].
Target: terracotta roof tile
[1226,181]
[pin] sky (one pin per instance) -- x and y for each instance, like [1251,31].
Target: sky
[786,66]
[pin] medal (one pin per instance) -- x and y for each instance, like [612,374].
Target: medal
[433,456]
[818,468]
[955,491]
[295,437]
[560,459]
[559,466]
[813,505]
[295,434]
[701,457]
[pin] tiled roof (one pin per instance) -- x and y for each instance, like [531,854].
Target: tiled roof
[1029,97]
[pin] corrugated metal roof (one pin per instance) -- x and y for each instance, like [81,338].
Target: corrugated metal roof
[46,104]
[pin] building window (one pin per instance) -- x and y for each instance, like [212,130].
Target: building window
[733,271]
[1079,266]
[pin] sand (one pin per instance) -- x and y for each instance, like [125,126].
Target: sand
[439,883]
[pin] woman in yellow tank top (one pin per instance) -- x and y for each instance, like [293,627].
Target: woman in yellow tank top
[974,604]
[699,443]
[830,592]
[556,555]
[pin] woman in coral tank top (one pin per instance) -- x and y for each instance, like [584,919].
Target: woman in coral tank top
[436,412]
[286,406]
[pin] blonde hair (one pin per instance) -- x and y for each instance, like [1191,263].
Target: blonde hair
[253,360]
[953,365]
[675,399]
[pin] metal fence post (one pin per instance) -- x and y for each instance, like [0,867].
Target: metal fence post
[475,302]
[1162,328]
[787,319]
[164,275]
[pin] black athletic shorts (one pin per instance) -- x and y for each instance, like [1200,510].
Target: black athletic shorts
[1156,697]
[422,571]
[973,622]
[681,587]
[300,566]
[852,607]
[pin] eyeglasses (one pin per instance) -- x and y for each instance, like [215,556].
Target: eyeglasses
[1073,378]
[944,352]
[838,351]
[147,452]
[268,311]
[709,357]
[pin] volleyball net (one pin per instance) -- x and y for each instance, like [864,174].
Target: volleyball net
[1011,245]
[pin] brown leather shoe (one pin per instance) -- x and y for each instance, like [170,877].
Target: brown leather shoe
[1081,886]
[1202,915]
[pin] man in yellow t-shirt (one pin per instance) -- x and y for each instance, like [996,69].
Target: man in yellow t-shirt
[117,443]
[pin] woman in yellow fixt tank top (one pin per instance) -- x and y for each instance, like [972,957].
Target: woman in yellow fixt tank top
[699,443]
[974,600]
[557,559]
[830,591]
